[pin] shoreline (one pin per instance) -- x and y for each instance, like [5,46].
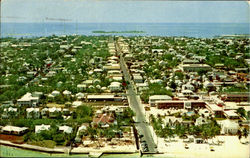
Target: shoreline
[65,150]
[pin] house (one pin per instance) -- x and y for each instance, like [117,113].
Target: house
[173,121]
[66,129]
[229,127]
[45,112]
[39,128]
[14,130]
[77,103]
[82,128]
[154,98]
[115,86]
[55,93]
[188,86]
[114,73]
[28,100]
[53,112]
[157,51]
[104,120]
[230,114]
[200,121]
[128,56]
[88,82]
[111,109]
[142,86]
[81,87]
[33,113]
[187,92]
[117,78]
[80,95]
[208,85]
[9,112]
[66,93]
[112,67]
[159,81]
[137,78]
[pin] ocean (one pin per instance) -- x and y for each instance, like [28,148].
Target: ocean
[199,30]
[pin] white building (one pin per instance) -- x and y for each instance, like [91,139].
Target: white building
[28,99]
[39,128]
[229,127]
[33,113]
[55,93]
[138,78]
[115,86]
[154,98]
[66,129]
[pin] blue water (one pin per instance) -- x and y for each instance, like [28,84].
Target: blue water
[205,30]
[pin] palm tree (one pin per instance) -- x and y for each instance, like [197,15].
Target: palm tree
[245,132]
[239,134]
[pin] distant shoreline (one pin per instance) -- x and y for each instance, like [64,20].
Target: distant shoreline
[100,31]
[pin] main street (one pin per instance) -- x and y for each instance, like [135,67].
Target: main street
[136,106]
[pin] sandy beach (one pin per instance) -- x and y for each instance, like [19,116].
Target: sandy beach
[231,148]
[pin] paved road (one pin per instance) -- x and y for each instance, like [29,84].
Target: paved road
[136,106]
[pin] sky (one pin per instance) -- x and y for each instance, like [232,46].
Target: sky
[121,11]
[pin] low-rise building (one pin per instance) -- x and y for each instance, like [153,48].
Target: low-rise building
[14,130]
[28,100]
[66,129]
[32,113]
[39,128]
[195,67]
[154,98]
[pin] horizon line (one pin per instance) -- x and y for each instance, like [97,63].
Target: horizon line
[132,22]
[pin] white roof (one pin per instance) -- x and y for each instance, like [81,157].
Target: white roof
[55,92]
[14,128]
[160,97]
[115,83]
[77,103]
[214,107]
[66,92]
[141,84]
[230,124]
[81,86]
[138,77]
[42,127]
[80,94]
[27,97]
[83,127]
[54,109]
[105,96]
[32,109]
[230,113]
[117,78]
[66,129]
